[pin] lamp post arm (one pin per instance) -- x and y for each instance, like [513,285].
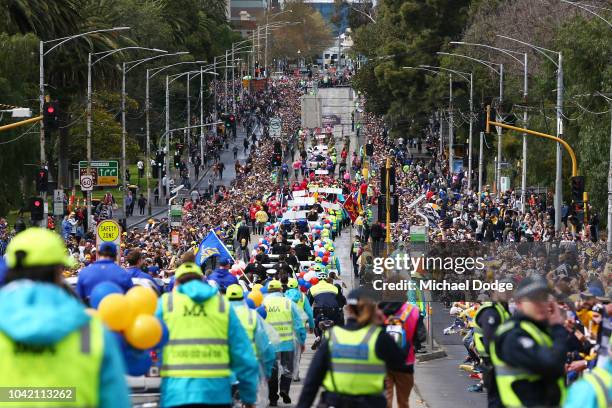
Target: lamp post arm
[64,40]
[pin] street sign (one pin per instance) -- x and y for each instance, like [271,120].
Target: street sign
[275,127]
[58,202]
[87,182]
[109,231]
[418,233]
[105,173]
[176,215]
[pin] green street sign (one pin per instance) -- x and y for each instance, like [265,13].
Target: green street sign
[106,173]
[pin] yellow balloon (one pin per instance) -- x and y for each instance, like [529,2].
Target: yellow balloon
[143,300]
[257,287]
[144,333]
[256,296]
[116,311]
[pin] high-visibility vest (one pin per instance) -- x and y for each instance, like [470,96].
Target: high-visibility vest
[601,381]
[323,287]
[198,344]
[355,368]
[478,334]
[249,321]
[506,375]
[279,316]
[72,364]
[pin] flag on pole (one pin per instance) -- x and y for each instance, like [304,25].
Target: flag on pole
[351,208]
[212,246]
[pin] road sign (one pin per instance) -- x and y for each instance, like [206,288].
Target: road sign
[109,231]
[105,173]
[275,127]
[58,202]
[418,233]
[87,182]
[176,215]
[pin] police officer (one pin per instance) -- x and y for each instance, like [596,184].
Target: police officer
[529,350]
[352,361]
[326,298]
[46,337]
[284,316]
[253,325]
[486,321]
[207,344]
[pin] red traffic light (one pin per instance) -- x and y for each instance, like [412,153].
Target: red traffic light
[232,118]
[50,109]
[37,203]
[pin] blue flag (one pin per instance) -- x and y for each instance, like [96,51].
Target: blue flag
[212,246]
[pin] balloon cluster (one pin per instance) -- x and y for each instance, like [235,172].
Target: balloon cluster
[131,317]
[254,299]
[238,268]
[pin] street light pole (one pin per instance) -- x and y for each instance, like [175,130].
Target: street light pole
[201,116]
[89,223]
[559,113]
[451,124]
[41,79]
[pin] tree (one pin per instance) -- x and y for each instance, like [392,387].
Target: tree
[308,33]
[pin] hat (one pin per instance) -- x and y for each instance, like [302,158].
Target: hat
[292,283]
[224,262]
[534,288]
[274,284]
[37,247]
[234,292]
[270,271]
[187,267]
[356,295]
[108,247]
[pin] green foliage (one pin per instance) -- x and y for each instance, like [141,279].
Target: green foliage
[197,26]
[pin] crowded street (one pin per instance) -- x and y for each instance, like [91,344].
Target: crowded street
[332,209]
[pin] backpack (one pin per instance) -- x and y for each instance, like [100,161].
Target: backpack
[395,329]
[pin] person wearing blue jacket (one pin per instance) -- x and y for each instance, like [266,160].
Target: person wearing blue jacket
[594,389]
[253,323]
[293,293]
[134,259]
[222,276]
[207,347]
[104,269]
[283,315]
[46,337]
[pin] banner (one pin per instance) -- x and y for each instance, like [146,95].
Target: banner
[321,172]
[351,208]
[299,193]
[212,246]
[298,201]
[333,206]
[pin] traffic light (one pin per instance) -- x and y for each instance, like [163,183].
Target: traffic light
[394,208]
[42,180]
[37,209]
[577,184]
[276,159]
[383,180]
[51,115]
[278,148]
[232,121]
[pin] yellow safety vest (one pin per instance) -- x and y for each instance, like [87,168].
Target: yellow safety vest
[601,381]
[198,344]
[323,287]
[279,316]
[478,334]
[506,375]
[355,368]
[73,364]
[249,321]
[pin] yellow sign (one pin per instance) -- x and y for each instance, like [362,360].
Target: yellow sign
[109,231]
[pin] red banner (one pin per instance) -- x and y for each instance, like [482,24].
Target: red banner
[351,208]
